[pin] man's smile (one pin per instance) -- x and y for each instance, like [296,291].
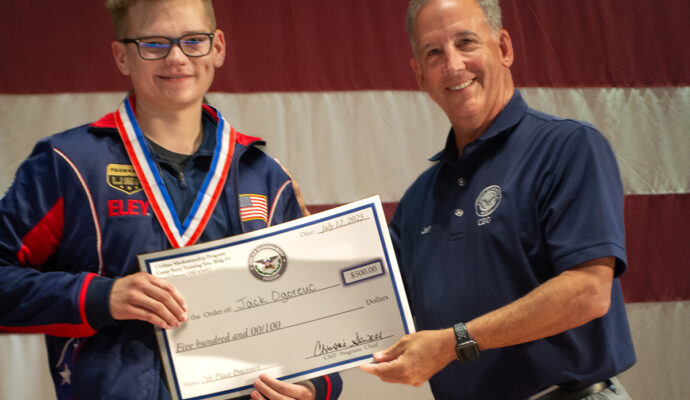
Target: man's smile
[462,85]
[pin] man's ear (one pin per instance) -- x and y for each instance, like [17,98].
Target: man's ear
[120,56]
[218,48]
[418,73]
[506,46]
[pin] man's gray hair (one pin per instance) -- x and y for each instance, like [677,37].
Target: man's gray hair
[491,8]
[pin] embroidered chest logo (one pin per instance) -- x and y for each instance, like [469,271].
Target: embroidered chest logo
[253,206]
[122,177]
[487,202]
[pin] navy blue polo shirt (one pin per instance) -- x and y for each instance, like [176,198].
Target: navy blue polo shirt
[534,196]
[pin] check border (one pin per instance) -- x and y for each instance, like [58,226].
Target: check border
[372,203]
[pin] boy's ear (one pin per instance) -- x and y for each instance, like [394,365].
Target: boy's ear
[120,56]
[218,48]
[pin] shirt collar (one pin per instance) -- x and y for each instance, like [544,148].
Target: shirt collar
[208,142]
[505,120]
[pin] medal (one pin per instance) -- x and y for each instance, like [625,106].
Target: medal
[186,233]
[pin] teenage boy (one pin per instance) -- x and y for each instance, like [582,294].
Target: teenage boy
[164,170]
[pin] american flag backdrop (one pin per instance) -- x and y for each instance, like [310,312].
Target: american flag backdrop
[327,84]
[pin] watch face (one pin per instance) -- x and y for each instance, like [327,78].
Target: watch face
[467,351]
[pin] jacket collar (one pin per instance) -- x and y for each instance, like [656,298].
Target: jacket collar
[106,124]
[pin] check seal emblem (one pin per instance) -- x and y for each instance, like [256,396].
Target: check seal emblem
[267,262]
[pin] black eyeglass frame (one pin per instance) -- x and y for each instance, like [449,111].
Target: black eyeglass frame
[172,41]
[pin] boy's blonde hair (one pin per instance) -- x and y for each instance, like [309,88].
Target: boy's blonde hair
[118,14]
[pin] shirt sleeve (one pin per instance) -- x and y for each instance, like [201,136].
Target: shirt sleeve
[581,202]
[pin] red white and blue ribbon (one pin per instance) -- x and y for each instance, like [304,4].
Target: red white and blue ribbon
[187,232]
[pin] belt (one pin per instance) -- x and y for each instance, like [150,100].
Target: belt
[564,394]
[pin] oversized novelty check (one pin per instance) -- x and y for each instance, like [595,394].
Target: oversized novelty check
[298,300]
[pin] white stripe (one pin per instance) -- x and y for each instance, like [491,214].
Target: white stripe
[649,129]
[204,208]
[150,177]
[213,183]
[275,201]
[343,146]
[92,207]
[64,350]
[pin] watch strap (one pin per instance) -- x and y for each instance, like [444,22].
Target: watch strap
[461,334]
[466,348]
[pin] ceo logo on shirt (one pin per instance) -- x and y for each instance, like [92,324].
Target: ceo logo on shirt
[487,202]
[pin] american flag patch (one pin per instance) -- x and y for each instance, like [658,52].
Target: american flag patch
[253,206]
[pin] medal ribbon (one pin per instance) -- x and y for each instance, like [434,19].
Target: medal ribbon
[179,235]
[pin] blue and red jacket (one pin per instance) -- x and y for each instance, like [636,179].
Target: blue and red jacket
[74,219]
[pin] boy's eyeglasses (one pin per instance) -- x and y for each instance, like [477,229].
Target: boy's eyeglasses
[157,47]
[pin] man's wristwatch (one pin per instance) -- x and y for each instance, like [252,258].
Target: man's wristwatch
[466,348]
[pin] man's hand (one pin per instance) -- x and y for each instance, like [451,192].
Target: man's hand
[415,358]
[273,389]
[145,297]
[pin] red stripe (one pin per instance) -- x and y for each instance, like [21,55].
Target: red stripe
[246,140]
[144,183]
[258,200]
[657,229]
[219,188]
[329,387]
[42,241]
[598,42]
[85,327]
[106,121]
[63,330]
[557,43]
[256,214]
